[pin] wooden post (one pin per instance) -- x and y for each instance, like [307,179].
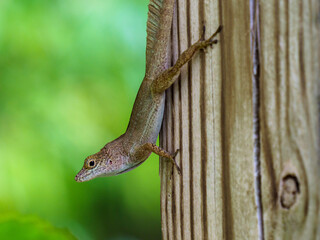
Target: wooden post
[244,116]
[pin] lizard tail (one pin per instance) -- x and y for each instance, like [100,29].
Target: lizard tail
[158,34]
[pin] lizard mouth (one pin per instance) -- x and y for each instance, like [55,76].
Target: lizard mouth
[82,176]
[78,178]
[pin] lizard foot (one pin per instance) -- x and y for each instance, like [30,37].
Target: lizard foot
[174,161]
[210,41]
[176,153]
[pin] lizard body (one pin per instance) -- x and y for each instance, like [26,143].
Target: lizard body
[138,142]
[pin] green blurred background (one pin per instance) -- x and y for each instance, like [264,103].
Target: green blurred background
[69,74]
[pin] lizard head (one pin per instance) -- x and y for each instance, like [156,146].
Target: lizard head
[101,164]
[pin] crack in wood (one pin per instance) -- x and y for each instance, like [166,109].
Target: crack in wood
[255,51]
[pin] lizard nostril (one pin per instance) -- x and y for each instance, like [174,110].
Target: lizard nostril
[77,178]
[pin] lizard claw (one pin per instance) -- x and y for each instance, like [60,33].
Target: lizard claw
[214,41]
[176,153]
[179,170]
[175,163]
[210,41]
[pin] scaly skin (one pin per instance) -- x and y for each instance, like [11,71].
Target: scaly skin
[138,142]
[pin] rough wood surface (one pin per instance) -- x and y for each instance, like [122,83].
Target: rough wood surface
[289,128]
[209,117]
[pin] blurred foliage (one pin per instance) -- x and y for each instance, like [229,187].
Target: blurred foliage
[30,228]
[69,74]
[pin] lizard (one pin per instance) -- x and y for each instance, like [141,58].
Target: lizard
[133,147]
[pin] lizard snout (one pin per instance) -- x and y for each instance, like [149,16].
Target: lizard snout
[77,178]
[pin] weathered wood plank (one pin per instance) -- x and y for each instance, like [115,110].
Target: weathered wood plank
[184,159]
[212,121]
[236,123]
[177,134]
[209,117]
[289,72]
[211,106]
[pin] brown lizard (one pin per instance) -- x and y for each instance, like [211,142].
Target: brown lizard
[138,142]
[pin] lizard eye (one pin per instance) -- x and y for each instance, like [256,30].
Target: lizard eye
[91,163]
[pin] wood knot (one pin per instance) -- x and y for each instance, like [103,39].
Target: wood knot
[290,189]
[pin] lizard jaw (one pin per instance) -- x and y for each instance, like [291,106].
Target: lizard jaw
[79,177]
[84,175]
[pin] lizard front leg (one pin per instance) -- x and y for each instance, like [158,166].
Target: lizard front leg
[162,153]
[168,77]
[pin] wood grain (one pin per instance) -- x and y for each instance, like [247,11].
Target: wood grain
[209,116]
[289,127]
